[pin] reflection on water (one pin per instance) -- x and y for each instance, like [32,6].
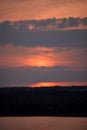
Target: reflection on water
[43,123]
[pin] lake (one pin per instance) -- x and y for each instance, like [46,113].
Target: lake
[43,123]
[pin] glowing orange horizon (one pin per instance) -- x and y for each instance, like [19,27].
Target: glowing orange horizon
[47,84]
[51,84]
[44,84]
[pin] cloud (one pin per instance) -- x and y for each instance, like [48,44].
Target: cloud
[49,50]
[26,75]
[46,24]
[49,32]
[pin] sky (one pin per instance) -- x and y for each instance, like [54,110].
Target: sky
[43,43]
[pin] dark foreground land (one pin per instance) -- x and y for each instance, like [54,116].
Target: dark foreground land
[52,101]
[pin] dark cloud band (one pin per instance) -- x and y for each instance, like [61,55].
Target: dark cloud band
[49,32]
[29,75]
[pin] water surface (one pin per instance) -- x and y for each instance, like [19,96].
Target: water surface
[43,123]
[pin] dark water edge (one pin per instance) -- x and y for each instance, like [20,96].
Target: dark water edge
[52,101]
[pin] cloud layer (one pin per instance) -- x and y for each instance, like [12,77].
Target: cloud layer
[49,32]
[24,76]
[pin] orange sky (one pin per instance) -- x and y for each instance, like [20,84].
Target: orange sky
[39,56]
[42,59]
[37,9]
[16,52]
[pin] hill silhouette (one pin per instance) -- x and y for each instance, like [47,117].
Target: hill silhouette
[43,101]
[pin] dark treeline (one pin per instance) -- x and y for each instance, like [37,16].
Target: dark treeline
[48,101]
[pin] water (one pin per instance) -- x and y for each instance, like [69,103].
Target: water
[43,123]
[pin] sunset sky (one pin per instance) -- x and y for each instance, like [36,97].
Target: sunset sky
[43,43]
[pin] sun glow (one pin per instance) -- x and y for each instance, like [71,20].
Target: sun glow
[44,84]
[52,84]
[40,61]
[42,57]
